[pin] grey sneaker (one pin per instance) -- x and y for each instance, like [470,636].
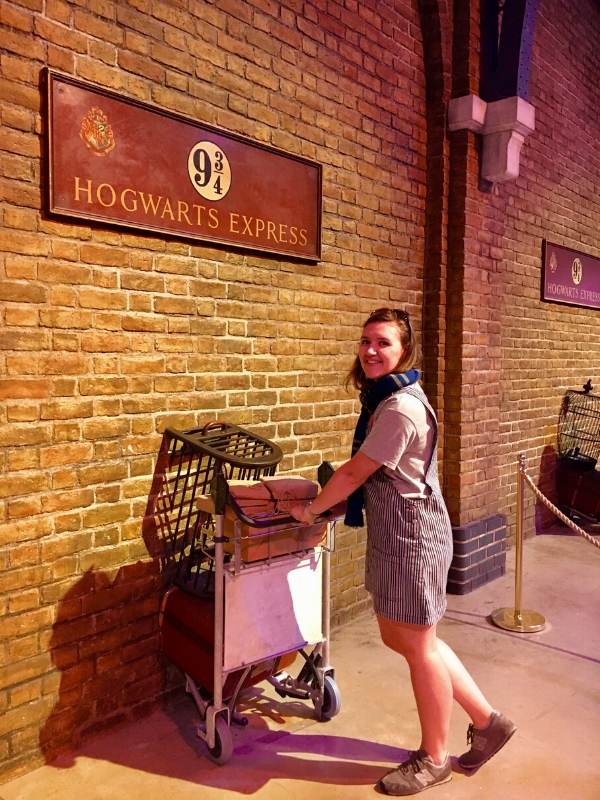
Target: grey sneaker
[485,742]
[414,775]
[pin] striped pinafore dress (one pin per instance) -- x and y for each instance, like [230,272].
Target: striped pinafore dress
[409,543]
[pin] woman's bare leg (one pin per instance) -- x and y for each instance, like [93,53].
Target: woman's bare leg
[437,676]
[431,681]
[466,692]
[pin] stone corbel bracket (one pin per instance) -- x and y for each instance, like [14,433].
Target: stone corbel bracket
[504,124]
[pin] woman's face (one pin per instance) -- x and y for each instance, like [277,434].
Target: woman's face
[380,349]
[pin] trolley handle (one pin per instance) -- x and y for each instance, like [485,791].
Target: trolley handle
[216,423]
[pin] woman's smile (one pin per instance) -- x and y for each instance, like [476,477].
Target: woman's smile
[380,349]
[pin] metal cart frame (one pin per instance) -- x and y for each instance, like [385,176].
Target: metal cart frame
[203,549]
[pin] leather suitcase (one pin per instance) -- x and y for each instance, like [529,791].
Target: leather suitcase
[270,496]
[187,633]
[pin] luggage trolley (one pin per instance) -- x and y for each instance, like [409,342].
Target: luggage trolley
[251,587]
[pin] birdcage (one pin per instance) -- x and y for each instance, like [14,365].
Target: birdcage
[578,475]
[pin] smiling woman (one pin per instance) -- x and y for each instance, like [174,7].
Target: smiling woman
[387,346]
[393,473]
[380,349]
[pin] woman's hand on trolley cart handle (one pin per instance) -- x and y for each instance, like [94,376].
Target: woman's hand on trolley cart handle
[339,487]
[303,513]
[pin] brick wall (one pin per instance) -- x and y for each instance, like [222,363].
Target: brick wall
[508,357]
[469,300]
[549,348]
[108,337]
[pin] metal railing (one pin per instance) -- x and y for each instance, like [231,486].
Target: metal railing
[515,618]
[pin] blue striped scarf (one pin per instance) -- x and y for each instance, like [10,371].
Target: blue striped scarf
[370,398]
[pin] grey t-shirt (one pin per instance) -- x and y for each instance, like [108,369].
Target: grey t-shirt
[401,438]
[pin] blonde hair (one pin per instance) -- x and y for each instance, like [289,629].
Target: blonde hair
[400,318]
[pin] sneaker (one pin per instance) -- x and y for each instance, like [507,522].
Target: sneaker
[485,742]
[414,775]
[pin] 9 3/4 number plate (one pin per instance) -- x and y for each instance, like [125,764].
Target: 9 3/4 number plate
[209,170]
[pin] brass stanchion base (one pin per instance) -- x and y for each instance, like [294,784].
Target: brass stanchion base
[522,621]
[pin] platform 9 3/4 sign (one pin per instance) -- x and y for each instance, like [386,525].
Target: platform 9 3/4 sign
[122,162]
[209,171]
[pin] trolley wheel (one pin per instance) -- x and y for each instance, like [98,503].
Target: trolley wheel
[332,700]
[223,749]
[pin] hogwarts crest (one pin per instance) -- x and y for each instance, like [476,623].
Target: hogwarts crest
[96,133]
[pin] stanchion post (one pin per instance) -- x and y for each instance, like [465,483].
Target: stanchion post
[519,537]
[515,619]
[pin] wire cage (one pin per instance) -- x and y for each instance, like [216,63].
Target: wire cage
[579,428]
[192,460]
[578,476]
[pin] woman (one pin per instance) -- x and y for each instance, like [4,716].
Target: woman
[409,548]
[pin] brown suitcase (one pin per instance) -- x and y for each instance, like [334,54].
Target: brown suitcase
[187,632]
[578,489]
[269,497]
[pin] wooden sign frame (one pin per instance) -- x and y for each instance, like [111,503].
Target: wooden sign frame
[119,161]
[570,277]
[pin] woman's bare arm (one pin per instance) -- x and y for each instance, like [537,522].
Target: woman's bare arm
[343,482]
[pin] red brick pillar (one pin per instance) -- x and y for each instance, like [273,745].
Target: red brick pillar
[462,296]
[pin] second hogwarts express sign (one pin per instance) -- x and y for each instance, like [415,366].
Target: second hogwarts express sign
[122,162]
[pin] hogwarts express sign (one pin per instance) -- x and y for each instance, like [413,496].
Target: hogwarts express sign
[122,162]
[570,277]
